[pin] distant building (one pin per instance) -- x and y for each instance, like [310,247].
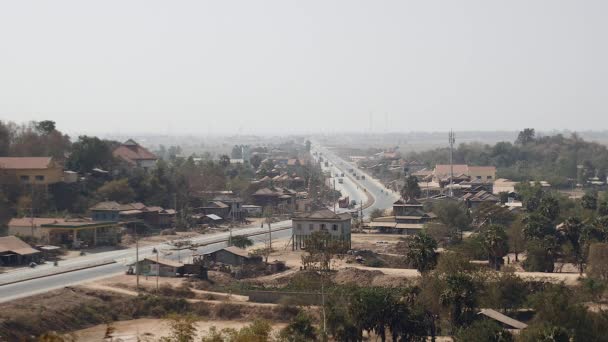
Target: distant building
[14,252]
[76,232]
[135,155]
[282,199]
[503,185]
[234,256]
[252,210]
[442,172]
[32,170]
[162,267]
[338,226]
[154,216]
[408,218]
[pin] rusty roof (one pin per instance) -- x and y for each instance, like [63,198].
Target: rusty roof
[15,245]
[28,163]
[131,151]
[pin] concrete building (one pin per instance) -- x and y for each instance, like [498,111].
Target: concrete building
[442,172]
[31,170]
[338,226]
[75,233]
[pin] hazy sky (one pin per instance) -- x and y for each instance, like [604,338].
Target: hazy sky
[256,66]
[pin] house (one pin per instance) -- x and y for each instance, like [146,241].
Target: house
[135,155]
[252,210]
[503,185]
[74,232]
[216,208]
[159,266]
[14,252]
[338,226]
[442,172]
[234,256]
[32,170]
[234,203]
[474,199]
[408,218]
[283,199]
[153,216]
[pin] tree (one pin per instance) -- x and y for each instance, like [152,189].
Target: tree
[598,268]
[549,208]
[422,252]
[255,161]
[224,160]
[589,201]
[453,216]
[516,240]
[488,213]
[300,329]
[545,333]
[573,231]
[411,189]
[116,190]
[182,329]
[89,153]
[525,137]
[45,127]
[241,241]
[483,330]
[308,145]
[459,297]
[495,242]
[537,226]
[376,213]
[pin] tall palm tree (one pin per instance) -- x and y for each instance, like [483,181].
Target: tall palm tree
[495,241]
[421,252]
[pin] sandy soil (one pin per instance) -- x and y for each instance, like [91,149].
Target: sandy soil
[153,329]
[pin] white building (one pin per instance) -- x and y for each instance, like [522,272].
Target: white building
[338,226]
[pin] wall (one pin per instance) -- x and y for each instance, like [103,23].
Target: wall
[51,175]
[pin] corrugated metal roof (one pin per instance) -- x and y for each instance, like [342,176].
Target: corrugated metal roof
[503,318]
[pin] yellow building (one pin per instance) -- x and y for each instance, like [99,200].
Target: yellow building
[32,170]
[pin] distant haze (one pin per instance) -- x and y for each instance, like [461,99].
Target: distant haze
[254,67]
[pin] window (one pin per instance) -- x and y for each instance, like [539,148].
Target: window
[24,178]
[311,227]
[489,177]
[40,178]
[478,177]
[299,227]
[323,226]
[334,227]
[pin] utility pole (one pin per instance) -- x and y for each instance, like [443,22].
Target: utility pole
[137,268]
[155,251]
[452,141]
[334,193]
[32,206]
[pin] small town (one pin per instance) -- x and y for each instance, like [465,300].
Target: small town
[288,172]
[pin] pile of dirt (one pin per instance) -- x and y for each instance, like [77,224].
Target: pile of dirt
[360,277]
[356,276]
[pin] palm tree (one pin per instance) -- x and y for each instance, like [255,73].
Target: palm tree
[459,297]
[421,252]
[575,232]
[411,189]
[495,241]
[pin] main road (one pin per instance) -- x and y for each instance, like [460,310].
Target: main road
[26,282]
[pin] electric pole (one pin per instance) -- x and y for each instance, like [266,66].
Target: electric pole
[452,141]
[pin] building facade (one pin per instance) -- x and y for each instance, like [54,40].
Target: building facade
[337,226]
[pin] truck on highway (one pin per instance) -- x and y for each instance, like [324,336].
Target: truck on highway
[340,180]
[363,177]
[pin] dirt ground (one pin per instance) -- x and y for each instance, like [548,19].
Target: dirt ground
[153,329]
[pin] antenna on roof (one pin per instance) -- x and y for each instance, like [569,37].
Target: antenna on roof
[452,141]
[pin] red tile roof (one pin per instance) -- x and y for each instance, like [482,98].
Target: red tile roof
[131,151]
[28,163]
